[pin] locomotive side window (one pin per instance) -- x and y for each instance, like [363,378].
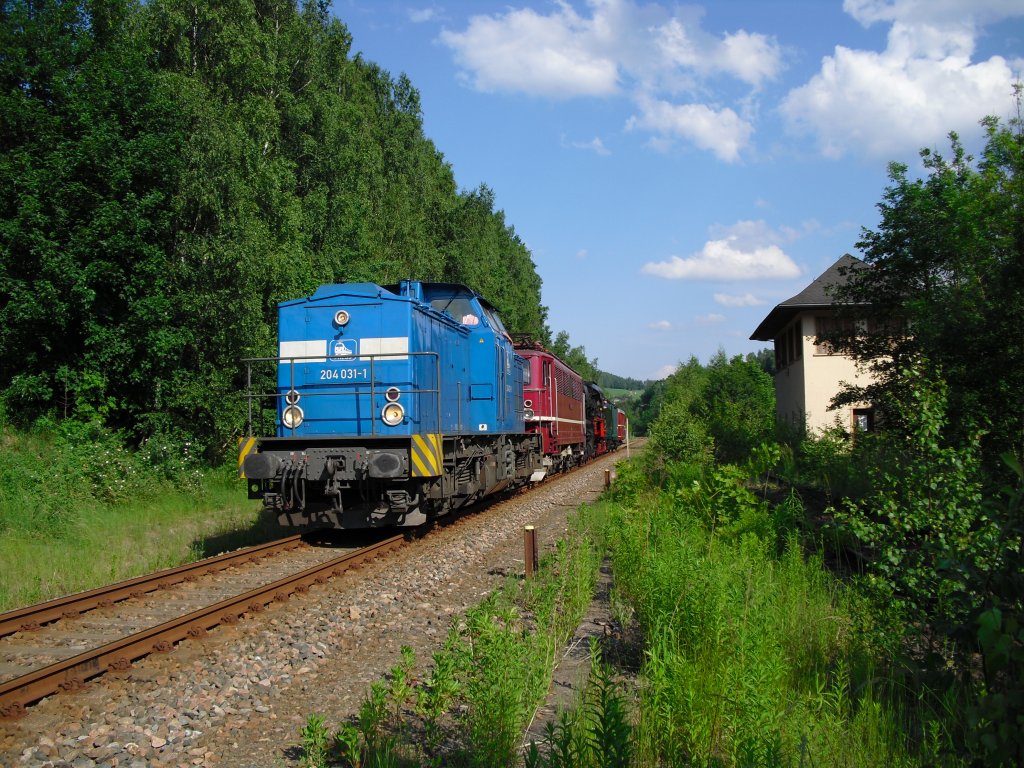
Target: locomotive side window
[547,373]
[494,321]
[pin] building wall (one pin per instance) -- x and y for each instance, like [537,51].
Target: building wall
[804,388]
[790,405]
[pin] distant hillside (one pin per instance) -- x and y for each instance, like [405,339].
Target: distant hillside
[610,381]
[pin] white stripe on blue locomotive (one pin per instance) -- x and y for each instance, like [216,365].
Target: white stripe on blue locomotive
[318,350]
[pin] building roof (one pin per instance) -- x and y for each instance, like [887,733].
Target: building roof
[817,295]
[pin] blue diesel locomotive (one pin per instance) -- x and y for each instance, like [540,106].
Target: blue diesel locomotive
[395,404]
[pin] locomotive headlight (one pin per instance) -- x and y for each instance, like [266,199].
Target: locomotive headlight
[392,414]
[292,416]
[528,414]
[392,394]
[341,317]
[291,397]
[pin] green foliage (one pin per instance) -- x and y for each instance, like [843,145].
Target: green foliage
[595,734]
[941,281]
[314,742]
[738,405]
[53,523]
[997,718]
[924,522]
[435,697]
[58,473]
[169,172]
[996,715]
[575,357]
[834,464]
[493,670]
[678,436]
[721,411]
[495,663]
[609,381]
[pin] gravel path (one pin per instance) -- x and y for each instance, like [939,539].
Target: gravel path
[238,697]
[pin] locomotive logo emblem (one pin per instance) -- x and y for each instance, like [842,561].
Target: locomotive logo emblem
[341,348]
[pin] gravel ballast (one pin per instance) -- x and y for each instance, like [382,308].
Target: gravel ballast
[238,697]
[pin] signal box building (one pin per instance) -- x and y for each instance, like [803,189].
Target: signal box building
[808,372]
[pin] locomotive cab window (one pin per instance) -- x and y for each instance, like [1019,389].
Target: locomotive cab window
[459,308]
[494,321]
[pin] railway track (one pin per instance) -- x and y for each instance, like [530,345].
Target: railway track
[60,644]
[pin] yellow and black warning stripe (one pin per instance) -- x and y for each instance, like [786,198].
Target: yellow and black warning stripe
[246,445]
[426,456]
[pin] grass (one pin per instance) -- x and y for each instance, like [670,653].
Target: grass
[754,653]
[67,526]
[112,543]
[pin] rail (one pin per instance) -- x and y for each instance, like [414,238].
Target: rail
[70,674]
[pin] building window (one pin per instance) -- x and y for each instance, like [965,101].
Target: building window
[788,346]
[827,329]
[863,419]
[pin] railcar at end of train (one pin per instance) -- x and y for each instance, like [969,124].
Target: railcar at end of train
[394,405]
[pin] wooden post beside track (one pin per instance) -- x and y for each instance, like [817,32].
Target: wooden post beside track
[607,479]
[530,550]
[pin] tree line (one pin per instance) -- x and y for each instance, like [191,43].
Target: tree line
[169,171]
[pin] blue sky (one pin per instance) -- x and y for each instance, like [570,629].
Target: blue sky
[678,169]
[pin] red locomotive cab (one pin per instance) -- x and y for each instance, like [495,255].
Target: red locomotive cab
[621,427]
[553,406]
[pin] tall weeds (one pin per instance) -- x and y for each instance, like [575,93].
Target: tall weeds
[754,654]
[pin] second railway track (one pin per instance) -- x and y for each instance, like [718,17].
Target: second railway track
[60,644]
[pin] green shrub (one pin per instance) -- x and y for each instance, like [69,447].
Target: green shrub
[679,436]
[924,522]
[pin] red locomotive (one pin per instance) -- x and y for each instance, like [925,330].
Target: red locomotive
[553,404]
[575,420]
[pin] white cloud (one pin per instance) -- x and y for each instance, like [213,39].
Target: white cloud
[421,15]
[724,260]
[746,250]
[665,371]
[751,58]
[558,55]
[646,51]
[910,95]
[719,260]
[747,234]
[931,11]
[710,319]
[660,325]
[723,132]
[746,300]
[595,145]
[581,254]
